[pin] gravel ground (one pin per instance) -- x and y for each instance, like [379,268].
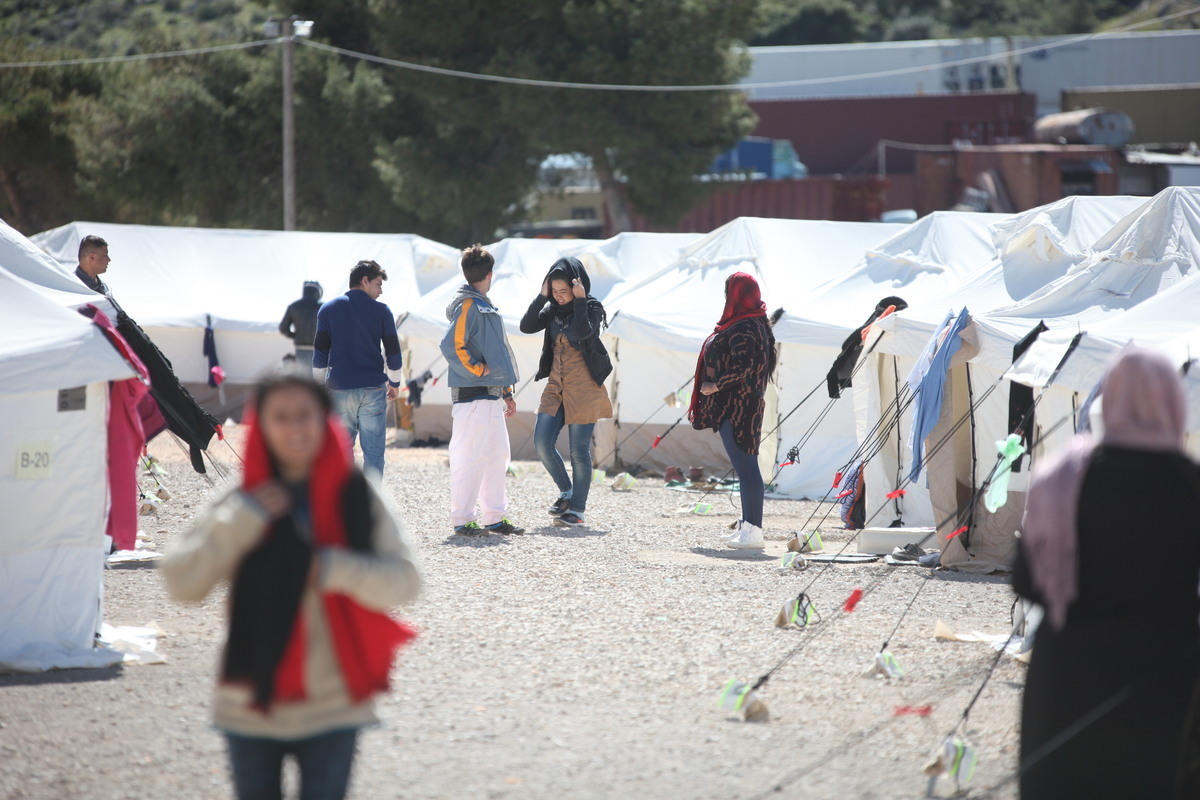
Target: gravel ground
[561,664]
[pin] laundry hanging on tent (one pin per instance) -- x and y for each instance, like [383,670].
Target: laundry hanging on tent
[216,375]
[1010,450]
[840,373]
[416,386]
[921,367]
[182,415]
[126,437]
[933,388]
[1020,397]
[852,500]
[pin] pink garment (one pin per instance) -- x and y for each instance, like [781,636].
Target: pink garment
[126,438]
[1143,407]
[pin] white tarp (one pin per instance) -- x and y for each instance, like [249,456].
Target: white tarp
[53,470]
[243,280]
[521,265]
[665,319]
[1145,255]
[915,264]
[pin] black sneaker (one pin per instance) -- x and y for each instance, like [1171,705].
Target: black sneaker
[569,520]
[561,506]
[471,528]
[504,526]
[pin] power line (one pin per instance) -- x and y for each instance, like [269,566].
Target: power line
[195,51]
[713,87]
[622,87]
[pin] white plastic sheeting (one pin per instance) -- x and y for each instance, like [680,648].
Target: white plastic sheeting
[668,316]
[916,263]
[53,488]
[613,265]
[178,278]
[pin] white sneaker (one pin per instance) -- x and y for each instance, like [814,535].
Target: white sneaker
[749,537]
[734,532]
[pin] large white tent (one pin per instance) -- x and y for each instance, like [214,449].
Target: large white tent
[1138,249]
[614,265]
[664,320]
[916,264]
[54,371]
[175,281]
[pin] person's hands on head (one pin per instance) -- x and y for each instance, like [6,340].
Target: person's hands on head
[273,497]
[510,406]
[546,288]
[392,392]
[708,387]
[577,288]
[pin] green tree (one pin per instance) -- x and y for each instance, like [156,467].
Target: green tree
[198,141]
[37,155]
[645,148]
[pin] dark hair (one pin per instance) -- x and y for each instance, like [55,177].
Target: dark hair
[476,263]
[365,269]
[91,244]
[285,380]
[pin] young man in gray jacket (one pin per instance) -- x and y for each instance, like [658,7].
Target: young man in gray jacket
[482,371]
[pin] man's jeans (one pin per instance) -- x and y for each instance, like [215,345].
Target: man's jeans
[364,412]
[545,435]
[325,761]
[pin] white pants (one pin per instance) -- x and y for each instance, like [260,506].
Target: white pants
[478,461]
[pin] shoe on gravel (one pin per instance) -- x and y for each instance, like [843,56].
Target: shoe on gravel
[561,506]
[504,526]
[469,529]
[569,520]
[748,537]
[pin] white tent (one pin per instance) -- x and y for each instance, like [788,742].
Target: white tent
[173,281]
[664,320]
[1085,282]
[1153,254]
[521,264]
[916,264]
[54,371]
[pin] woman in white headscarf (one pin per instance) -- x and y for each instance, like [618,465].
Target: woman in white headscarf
[1110,546]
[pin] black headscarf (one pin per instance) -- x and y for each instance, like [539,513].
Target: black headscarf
[568,269]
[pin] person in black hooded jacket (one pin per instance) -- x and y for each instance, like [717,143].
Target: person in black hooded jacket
[300,321]
[576,364]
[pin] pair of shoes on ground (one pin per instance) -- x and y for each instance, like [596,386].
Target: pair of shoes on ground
[913,554]
[746,537]
[504,526]
[564,517]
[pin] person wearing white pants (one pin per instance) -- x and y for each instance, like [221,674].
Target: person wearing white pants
[482,372]
[479,452]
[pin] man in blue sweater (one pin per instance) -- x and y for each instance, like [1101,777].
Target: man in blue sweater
[354,332]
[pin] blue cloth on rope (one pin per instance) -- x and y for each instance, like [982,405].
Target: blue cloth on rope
[933,389]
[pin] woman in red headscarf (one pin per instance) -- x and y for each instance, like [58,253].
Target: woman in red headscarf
[315,562]
[732,372]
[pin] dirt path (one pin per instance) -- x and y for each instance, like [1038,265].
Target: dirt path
[560,664]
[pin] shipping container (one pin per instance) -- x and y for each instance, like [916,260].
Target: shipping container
[840,135]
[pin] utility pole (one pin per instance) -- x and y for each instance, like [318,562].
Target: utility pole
[287,31]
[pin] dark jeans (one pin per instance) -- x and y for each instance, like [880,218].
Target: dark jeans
[324,761]
[545,435]
[748,475]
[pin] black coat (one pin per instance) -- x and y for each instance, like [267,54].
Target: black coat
[586,320]
[1130,639]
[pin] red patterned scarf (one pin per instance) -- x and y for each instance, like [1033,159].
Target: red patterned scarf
[743,300]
